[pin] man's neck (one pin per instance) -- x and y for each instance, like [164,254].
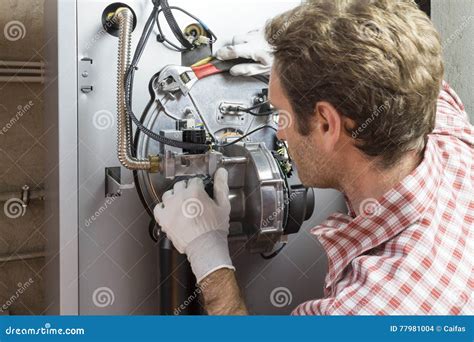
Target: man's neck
[371,182]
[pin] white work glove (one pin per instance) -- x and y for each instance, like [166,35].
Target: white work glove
[251,46]
[197,224]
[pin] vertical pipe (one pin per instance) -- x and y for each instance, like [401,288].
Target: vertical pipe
[178,293]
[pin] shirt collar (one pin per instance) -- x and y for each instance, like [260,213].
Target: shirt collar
[346,236]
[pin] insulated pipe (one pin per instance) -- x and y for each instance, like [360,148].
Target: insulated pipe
[125,21]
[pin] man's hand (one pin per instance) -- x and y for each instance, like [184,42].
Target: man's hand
[197,224]
[251,46]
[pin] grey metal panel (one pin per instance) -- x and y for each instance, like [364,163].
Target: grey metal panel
[117,259]
[454,19]
[61,184]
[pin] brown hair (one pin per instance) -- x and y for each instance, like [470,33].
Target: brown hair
[378,63]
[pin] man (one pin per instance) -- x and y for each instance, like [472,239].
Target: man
[369,115]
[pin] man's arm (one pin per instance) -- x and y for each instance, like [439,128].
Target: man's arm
[222,294]
[202,235]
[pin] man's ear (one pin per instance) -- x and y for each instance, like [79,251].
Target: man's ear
[328,124]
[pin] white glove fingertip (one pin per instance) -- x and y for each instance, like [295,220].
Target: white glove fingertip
[221,187]
[221,175]
[179,186]
[166,196]
[226,53]
[251,69]
[242,70]
[195,184]
[158,212]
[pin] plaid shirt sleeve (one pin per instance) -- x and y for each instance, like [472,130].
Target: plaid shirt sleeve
[412,252]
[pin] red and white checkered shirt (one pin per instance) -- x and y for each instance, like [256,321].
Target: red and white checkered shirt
[414,253]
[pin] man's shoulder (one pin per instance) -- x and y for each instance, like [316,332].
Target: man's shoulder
[452,121]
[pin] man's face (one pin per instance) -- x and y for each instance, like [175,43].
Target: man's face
[313,166]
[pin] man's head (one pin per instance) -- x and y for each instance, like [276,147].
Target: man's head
[354,78]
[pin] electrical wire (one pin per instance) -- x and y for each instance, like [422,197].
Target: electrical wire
[246,135]
[274,254]
[129,88]
[151,229]
[134,150]
[267,113]
[258,105]
[167,11]
[152,19]
[250,111]
[165,8]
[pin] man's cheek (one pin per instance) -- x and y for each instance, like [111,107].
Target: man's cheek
[297,154]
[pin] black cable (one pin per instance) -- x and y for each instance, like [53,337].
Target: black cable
[258,105]
[250,111]
[153,135]
[151,229]
[260,114]
[166,9]
[135,146]
[130,77]
[274,254]
[129,90]
[246,135]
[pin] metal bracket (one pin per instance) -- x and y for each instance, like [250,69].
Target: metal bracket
[113,182]
[231,114]
[85,64]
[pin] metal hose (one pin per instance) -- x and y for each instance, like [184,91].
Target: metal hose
[152,164]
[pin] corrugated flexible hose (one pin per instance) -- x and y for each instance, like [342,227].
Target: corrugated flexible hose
[125,20]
